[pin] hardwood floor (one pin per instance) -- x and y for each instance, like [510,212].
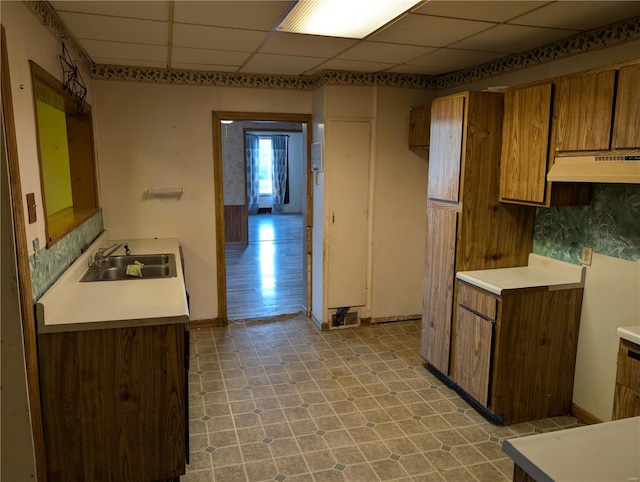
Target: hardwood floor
[264,279]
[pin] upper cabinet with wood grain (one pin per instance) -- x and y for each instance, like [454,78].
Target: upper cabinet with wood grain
[585,112]
[419,122]
[626,124]
[528,138]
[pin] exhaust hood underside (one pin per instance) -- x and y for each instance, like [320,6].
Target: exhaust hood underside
[623,168]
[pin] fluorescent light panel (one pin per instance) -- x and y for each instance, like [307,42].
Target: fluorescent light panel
[343,18]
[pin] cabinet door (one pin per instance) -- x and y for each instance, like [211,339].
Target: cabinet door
[437,308]
[525,143]
[626,128]
[474,335]
[419,120]
[445,151]
[585,110]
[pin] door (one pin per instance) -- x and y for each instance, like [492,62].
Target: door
[437,309]
[347,171]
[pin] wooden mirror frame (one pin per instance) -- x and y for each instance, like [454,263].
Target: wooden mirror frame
[82,168]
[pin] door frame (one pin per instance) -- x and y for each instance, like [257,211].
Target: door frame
[221,258]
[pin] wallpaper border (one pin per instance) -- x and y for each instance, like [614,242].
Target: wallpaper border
[597,39]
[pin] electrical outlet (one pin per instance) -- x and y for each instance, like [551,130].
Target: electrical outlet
[587,254]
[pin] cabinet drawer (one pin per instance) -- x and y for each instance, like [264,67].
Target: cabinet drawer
[477,301]
[628,373]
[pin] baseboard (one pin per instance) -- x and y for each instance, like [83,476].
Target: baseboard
[207,323]
[386,319]
[583,415]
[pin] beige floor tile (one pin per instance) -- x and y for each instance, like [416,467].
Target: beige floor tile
[280,398]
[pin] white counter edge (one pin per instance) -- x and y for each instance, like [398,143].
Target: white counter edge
[629,333]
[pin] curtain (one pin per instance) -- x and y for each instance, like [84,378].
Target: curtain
[253,177]
[280,146]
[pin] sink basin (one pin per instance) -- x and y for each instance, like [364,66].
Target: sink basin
[146,259]
[115,268]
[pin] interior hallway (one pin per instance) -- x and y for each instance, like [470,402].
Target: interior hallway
[280,400]
[265,278]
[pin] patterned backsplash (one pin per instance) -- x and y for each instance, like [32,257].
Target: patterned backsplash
[47,265]
[610,225]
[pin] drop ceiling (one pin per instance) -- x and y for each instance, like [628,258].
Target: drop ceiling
[433,38]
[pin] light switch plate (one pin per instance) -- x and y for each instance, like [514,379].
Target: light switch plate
[587,254]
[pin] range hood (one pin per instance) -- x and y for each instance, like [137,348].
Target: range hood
[605,167]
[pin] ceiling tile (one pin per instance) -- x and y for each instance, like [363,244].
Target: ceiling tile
[429,31]
[206,56]
[455,59]
[252,15]
[305,45]
[131,63]
[355,66]
[279,64]
[214,37]
[585,15]
[120,50]
[499,11]
[512,38]
[384,52]
[149,10]
[98,27]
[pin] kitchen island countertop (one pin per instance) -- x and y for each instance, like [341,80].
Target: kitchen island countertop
[607,451]
[71,305]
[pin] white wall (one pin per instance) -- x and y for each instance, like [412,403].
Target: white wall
[160,135]
[399,207]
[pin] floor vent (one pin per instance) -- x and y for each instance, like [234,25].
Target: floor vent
[347,319]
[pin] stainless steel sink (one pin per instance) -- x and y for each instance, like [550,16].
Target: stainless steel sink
[115,267]
[146,259]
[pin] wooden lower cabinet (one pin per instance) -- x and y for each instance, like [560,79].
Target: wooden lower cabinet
[626,398]
[515,353]
[114,403]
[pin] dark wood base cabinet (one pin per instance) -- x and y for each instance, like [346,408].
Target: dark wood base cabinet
[515,353]
[114,403]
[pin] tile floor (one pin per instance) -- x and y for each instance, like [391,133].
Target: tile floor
[280,400]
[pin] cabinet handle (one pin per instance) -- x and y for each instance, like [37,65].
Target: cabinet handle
[633,354]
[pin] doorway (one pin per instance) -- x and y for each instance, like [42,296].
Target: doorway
[263,259]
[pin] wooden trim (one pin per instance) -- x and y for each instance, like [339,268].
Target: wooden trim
[583,415]
[207,323]
[385,319]
[221,261]
[24,274]
[221,257]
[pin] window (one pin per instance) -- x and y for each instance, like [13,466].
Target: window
[266,165]
[65,151]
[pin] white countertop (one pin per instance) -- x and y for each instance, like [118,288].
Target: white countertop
[70,305]
[630,333]
[540,272]
[604,452]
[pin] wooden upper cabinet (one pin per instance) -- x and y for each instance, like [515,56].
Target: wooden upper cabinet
[525,143]
[626,126]
[585,110]
[419,120]
[447,122]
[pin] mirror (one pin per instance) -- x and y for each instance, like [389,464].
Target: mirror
[65,152]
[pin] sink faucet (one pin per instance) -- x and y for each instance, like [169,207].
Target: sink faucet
[104,253]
